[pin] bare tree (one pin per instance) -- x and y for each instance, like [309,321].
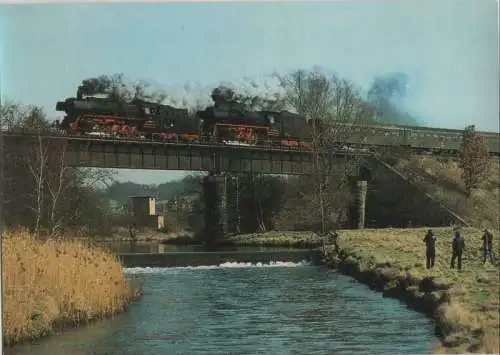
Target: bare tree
[33,120]
[474,159]
[37,164]
[2,186]
[40,190]
[332,106]
[57,183]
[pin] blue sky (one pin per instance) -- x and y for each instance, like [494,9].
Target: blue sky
[447,48]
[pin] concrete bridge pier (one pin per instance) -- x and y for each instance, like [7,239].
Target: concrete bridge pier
[221,202]
[212,215]
[232,207]
[359,189]
[362,189]
[357,209]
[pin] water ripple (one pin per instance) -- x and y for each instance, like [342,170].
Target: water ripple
[282,308]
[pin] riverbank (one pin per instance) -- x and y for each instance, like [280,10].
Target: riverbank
[57,283]
[464,305]
[300,240]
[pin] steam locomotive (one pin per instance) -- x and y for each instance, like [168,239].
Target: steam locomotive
[230,123]
[224,122]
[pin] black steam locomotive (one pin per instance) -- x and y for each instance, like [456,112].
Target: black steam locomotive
[226,122]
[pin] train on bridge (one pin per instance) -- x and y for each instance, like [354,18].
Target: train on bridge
[231,123]
[226,123]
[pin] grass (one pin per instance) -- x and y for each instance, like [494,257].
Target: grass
[276,238]
[53,283]
[268,239]
[471,317]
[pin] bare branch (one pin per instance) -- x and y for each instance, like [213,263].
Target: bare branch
[332,107]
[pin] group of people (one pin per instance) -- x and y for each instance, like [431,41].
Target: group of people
[458,247]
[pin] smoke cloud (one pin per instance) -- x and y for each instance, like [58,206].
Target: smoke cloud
[387,94]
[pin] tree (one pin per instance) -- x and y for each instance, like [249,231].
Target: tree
[474,159]
[331,105]
[40,191]
[36,155]
[2,187]
[37,164]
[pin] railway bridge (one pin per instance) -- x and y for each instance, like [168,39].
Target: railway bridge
[152,155]
[85,151]
[88,151]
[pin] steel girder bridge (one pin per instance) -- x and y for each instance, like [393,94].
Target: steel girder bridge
[134,154]
[88,151]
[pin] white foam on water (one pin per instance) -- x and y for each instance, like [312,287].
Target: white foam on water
[227,265]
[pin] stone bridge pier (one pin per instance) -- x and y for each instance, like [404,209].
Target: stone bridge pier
[359,188]
[221,203]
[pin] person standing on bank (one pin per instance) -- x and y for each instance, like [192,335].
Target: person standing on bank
[430,252]
[458,246]
[488,246]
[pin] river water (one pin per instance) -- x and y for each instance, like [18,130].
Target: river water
[283,308]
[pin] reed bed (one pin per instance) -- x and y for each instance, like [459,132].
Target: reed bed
[55,283]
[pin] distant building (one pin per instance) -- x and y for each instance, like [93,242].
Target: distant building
[142,209]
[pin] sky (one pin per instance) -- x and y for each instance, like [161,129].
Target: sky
[447,48]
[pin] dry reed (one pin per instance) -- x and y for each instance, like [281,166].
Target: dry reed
[53,283]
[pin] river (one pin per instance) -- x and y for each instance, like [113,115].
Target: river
[235,308]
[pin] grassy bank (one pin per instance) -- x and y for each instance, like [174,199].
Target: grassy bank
[465,305]
[277,239]
[268,239]
[52,284]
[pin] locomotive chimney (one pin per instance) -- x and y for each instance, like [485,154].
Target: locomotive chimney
[79,92]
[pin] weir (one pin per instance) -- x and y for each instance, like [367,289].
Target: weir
[178,259]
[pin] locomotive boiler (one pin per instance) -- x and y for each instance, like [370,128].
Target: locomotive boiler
[135,119]
[234,125]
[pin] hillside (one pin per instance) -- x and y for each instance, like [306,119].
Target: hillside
[441,178]
[120,191]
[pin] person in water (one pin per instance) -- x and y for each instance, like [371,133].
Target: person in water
[458,246]
[430,252]
[487,246]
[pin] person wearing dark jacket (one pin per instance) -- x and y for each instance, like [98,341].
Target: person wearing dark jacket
[458,246]
[488,246]
[430,252]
